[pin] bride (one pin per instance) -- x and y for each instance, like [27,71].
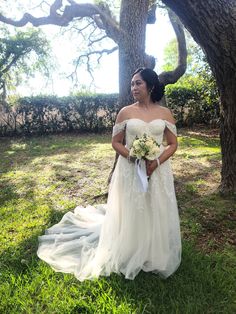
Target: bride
[138,229]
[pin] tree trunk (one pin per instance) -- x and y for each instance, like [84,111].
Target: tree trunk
[133,20]
[228,135]
[213,25]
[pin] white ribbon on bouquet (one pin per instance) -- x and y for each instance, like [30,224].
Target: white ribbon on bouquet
[140,168]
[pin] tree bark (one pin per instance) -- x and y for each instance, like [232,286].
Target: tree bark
[228,134]
[133,20]
[134,15]
[213,26]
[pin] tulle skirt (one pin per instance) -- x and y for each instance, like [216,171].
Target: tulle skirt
[134,231]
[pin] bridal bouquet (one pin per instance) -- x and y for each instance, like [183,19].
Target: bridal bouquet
[145,147]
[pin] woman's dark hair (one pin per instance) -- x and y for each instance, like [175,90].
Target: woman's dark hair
[157,89]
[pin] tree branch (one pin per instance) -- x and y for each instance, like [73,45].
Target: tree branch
[171,77]
[80,30]
[87,56]
[40,5]
[92,41]
[108,22]
[100,52]
[151,19]
[13,61]
[72,11]
[54,7]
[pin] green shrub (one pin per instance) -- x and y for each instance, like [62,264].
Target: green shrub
[97,112]
[196,105]
[51,114]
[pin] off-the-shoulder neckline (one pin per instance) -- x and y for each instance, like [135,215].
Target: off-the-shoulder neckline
[157,119]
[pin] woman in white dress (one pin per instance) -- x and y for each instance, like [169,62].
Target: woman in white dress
[138,229]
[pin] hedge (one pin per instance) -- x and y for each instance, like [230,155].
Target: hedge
[51,114]
[97,113]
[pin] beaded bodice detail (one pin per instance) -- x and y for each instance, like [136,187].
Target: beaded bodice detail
[137,127]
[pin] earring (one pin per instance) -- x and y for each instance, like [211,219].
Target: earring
[151,90]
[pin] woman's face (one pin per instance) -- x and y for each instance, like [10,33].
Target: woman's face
[139,87]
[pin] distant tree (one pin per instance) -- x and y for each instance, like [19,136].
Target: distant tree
[194,58]
[198,70]
[21,54]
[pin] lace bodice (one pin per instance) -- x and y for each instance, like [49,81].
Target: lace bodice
[137,127]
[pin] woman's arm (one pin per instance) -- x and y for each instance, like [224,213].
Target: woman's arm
[172,145]
[170,149]
[166,154]
[117,144]
[117,140]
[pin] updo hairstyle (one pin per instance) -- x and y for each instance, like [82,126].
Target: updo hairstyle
[156,89]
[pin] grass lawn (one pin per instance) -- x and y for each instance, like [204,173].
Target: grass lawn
[41,178]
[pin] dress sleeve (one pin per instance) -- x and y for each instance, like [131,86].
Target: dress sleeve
[171,127]
[118,127]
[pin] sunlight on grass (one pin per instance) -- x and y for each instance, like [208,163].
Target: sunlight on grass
[192,148]
[44,177]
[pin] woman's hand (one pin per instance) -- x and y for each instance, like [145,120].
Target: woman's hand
[151,165]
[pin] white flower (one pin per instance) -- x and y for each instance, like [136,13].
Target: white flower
[145,147]
[153,153]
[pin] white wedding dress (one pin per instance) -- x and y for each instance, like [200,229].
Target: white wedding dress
[134,231]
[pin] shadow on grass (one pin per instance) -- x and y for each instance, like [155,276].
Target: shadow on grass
[17,257]
[202,284]
[187,171]
[208,218]
[21,151]
[23,162]
[8,191]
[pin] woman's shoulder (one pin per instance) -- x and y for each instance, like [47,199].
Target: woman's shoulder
[167,114]
[128,108]
[124,113]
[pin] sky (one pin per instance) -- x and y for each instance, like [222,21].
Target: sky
[106,74]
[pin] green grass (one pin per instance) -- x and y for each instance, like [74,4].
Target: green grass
[44,177]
